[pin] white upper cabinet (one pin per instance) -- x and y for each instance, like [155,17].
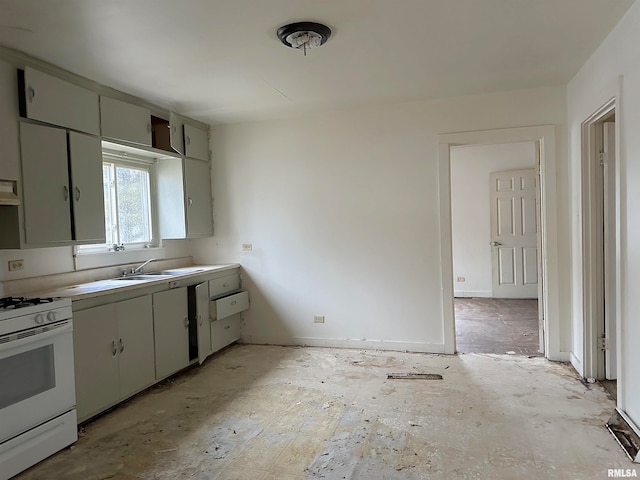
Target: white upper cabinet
[196,143]
[184,198]
[45,178]
[176,133]
[58,209]
[124,121]
[51,100]
[198,191]
[85,156]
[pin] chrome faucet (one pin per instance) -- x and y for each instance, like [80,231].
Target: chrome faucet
[138,269]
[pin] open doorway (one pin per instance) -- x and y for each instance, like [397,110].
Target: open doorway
[599,247]
[495,242]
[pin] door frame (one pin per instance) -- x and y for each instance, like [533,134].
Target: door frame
[545,136]
[593,275]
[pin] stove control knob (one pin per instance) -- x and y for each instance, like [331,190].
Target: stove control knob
[52,316]
[40,318]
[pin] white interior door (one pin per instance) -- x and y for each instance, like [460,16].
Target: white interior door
[609,218]
[514,233]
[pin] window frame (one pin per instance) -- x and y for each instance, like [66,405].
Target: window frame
[140,163]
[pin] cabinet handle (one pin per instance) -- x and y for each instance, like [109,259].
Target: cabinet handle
[66,193]
[234,302]
[121,346]
[77,194]
[225,284]
[32,93]
[187,140]
[200,319]
[148,127]
[114,348]
[186,322]
[190,201]
[227,327]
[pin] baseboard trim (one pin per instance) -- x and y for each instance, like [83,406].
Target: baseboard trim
[347,343]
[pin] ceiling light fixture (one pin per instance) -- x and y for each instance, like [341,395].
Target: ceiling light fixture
[304,35]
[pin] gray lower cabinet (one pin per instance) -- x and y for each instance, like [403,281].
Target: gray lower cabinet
[171,331]
[114,353]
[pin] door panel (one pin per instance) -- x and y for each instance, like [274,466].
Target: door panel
[514,230]
[135,344]
[86,182]
[45,184]
[202,317]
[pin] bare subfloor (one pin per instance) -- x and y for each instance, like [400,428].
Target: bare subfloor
[267,413]
[497,325]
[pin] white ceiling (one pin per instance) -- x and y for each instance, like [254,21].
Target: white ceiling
[220,60]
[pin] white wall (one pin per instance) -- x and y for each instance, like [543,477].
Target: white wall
[471,167]
[592,87]
[342,212]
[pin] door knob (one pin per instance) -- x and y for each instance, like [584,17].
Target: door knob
[496,244]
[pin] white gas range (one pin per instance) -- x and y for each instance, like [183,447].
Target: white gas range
[37,386]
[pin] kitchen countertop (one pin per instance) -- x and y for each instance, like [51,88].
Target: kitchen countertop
[116,285]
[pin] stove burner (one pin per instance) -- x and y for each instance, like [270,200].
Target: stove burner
[9,303]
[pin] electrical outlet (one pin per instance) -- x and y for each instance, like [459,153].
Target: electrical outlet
[461,279]
[247,247]
[15,265]
[318,319]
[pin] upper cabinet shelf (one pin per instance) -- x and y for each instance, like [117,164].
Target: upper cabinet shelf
[125,121]
[57,102]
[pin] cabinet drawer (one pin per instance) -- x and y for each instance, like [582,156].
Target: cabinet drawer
[227,306]
[220,286]
[224,332]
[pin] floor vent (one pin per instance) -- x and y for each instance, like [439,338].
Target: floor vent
[624,435]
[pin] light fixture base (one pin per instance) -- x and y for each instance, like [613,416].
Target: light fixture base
[304,35]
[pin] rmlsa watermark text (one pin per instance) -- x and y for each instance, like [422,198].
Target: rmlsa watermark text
[622,473]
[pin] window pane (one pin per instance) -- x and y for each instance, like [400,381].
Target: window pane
[133,205]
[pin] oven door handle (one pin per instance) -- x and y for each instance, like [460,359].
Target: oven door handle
[60,329]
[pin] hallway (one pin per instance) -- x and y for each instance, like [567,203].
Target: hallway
[497,325]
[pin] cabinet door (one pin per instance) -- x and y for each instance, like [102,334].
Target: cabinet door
[57,102]
[85,154]
[176,133]
[96,359]
[202,316]
[45,179]
[171,331]
[124,121]
[196,143]
[198,193]
[135,345]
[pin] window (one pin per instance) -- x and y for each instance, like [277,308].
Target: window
[127,204]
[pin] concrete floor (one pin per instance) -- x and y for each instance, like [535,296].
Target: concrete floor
[497,325]
[267,412]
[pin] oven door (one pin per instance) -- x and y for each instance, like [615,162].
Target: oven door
[36,378]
